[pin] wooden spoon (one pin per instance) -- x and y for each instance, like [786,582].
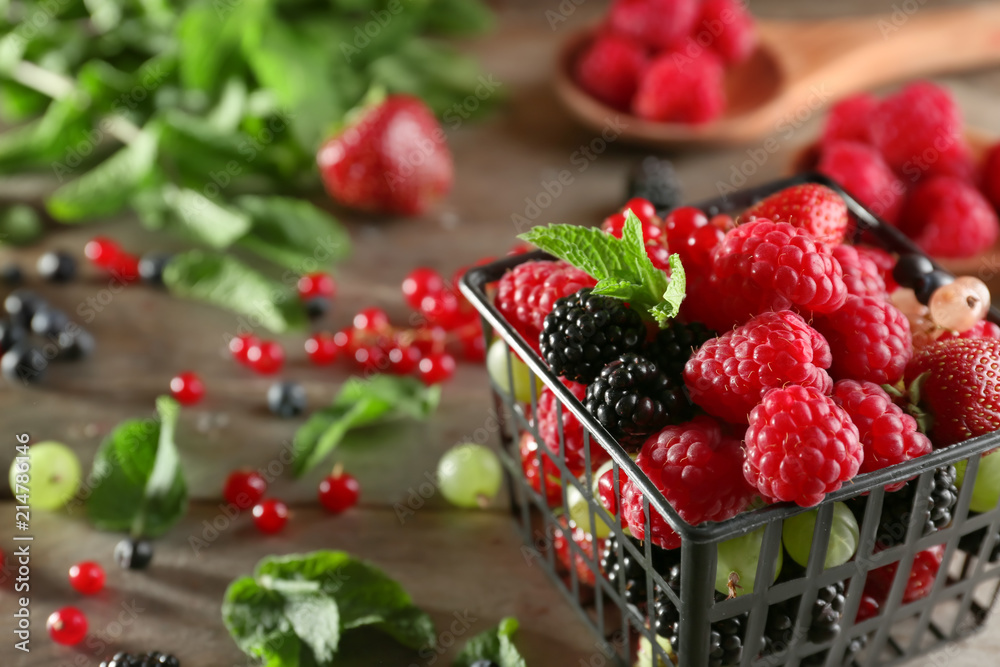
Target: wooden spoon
[800,67]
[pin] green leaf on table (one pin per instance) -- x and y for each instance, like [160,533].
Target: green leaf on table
[495,645]
[224,281]
[297,607]
[621,267]
[137,484]
[361,402]
[107,188]
[293,232]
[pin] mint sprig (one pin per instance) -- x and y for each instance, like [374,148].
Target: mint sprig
[295,609]
[496,646]
[621,266]
[137,481]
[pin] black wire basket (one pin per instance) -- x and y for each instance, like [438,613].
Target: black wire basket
[957,604]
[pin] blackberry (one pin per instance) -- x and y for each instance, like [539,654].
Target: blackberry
[584,332]
[656,180]
[631,569]
[824,625]
[674,345]
[725,637]
[633,398]
[896,508]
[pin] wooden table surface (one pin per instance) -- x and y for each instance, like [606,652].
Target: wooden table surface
[453,562]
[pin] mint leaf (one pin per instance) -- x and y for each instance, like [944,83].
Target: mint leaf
[292,232]
[226,282]
[621,266]
[494,645]
[136,482]
[19,225]
[360,403]
[587,248]
[196,217]
[107,188]
[298,606]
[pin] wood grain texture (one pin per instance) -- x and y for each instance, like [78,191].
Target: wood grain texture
[450,561]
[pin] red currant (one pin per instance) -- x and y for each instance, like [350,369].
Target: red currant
[322,349]
[317,284]
[701,244]
[420,283]
[266,357]
[187,388]
[344,340]
[244,488]
[125,267]
[373,320]
[519,249]
[446,310]
[240,345]
[681,223]
[87,577]
[403,359]
[642,208]
[339,491]
[436,368]
[371,358]
[270,515]
[102,251]
[473,346]
[722,221]
[429,340]
[614,224]
[67,626]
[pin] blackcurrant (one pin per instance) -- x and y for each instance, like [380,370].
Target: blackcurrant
[75,343]
[911,269]
[286,399]
[48,321]
[317,307]
[151,267]
[21,305]
[56,266]
[133,554]
[929,284]
[11,275]
[11,333]
[23,363]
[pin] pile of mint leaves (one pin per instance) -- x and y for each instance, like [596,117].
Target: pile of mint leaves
[293,611]
[204,116]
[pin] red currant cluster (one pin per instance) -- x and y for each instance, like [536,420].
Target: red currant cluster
[444,326]
[245,490]
[68,625]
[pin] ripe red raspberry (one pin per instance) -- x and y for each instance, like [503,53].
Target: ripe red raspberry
[949,218]
[698,469]
[572,439]
[982,329]
[869,338]
[800,446]
[728,28]
[921,117]
[884,261]
[919,583]
[656,24]
[814,208]
[777,258]
[860,170]
[888,435]
[850,119]
[991,176]
[609,69]
[861,275]
[730,374]
[955,161]
[526,293]
[679,89]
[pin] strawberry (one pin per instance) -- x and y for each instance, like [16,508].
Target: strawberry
[392,158]
[958,382]
[814,208]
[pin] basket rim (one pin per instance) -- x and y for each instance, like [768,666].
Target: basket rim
[473,285]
